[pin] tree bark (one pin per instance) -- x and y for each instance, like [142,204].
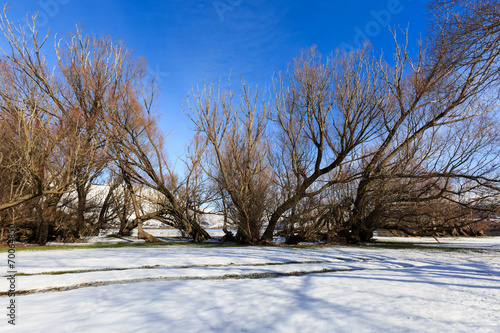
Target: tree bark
[42,232]
[141,234]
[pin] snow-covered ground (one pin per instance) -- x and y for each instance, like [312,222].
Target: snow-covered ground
[483,243]
[160,233]
[259,289]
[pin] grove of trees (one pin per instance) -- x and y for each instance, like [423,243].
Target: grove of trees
[338,147]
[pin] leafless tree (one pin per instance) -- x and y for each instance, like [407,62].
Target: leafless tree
[93,69]
[138,150]
[237,154]
[325,112]
[440,123]
[410,133]
[66,125]
[43,141]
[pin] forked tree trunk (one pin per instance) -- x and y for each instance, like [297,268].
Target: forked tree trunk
[125,228]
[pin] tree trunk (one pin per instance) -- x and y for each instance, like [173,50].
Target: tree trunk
[104,209]
[47,214]
[141,234]
[268,234]
[360,234]
[80,211]
[126,228]
[199,234]
[42,232]
[124,231]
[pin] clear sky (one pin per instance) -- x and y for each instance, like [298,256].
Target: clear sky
[186,41]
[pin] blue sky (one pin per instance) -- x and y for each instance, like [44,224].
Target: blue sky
[186,41]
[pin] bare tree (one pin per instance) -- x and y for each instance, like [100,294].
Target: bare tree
[237,159]
[325,112]
[138,151]
[33,129]
[93,68]
[43,143]
[65,108]
[439,124]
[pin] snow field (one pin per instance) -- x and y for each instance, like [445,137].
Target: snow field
[207,289]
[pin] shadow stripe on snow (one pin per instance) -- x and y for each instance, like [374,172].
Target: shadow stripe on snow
[195,266]
[177,278]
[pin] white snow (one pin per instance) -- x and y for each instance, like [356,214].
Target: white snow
[208,289]
[460,242]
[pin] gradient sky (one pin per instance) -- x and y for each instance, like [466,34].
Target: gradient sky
[186,41]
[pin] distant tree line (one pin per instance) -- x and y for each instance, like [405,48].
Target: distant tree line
[338,147]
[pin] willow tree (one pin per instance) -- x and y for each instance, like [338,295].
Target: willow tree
[236,158]
[440,126]
[45,144]
[325,113]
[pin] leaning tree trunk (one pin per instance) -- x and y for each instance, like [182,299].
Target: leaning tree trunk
[195,230]
[104,210]
[125,228]
[141,234]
